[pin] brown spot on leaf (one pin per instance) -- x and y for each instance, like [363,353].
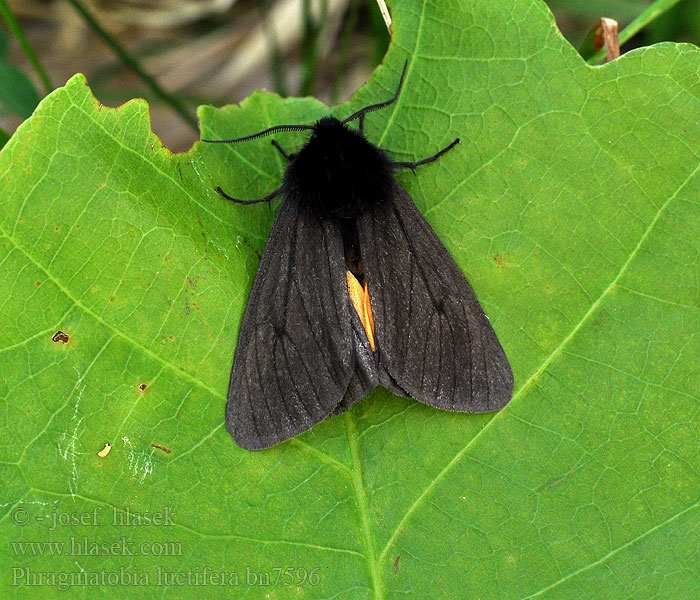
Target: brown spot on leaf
[396,564]
[163,448]
[143,387]
[38,283]
[59,336]
[501,261]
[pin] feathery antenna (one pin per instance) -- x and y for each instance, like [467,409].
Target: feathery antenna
[372,107]
[262,133]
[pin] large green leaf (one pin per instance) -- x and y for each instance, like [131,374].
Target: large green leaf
[572,207]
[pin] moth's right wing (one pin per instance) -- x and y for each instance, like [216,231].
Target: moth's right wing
[434,342]
[295,356]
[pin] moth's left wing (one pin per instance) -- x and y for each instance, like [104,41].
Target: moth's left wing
[433,341]
[295,353]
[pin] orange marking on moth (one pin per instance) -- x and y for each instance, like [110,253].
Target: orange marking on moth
[359,296]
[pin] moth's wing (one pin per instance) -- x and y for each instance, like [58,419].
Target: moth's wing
[433,339]
[294,357]
[365,376]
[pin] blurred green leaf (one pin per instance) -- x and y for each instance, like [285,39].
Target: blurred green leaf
[691,18]
[571,206]
[17,92]
[3,43]
[620,10]
[681,23]
[4,137]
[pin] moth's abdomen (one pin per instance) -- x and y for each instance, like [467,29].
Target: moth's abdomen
[338,173]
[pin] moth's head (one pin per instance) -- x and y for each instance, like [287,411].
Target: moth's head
[333,144]
[328,127]
[338,172]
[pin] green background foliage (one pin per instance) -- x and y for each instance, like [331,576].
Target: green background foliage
[571,206]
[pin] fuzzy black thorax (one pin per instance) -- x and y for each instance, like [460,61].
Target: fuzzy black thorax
[338,173]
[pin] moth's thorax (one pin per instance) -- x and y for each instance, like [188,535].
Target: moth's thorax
[337,172]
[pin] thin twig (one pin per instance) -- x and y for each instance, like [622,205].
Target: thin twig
[14,26]
[385,13]
[177,104]
[612,42]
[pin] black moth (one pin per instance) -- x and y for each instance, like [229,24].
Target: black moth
[354,290]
